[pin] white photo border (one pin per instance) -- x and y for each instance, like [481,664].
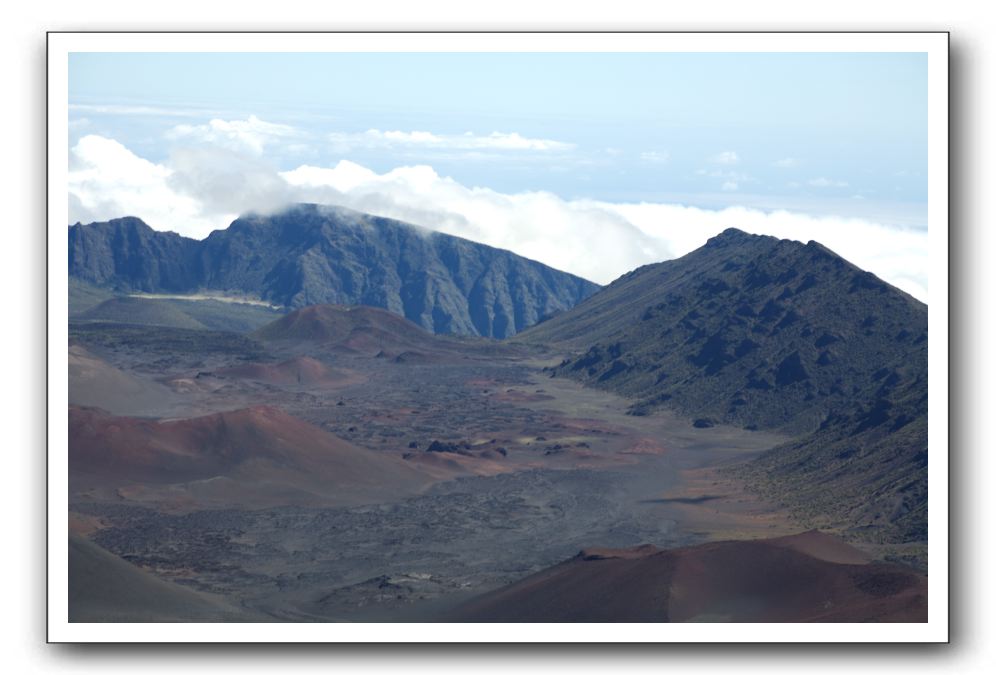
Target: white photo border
[934,44]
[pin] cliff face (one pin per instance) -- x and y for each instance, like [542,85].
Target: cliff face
[127,254]
[312,254]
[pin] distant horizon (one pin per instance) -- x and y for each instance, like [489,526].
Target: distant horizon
[590,163]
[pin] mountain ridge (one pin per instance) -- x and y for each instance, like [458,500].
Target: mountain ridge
[763,333]
[774,315]
[311,254]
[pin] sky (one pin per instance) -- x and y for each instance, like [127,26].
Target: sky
[592,163]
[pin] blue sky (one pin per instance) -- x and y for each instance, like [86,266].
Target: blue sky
[644,127]
[504,147]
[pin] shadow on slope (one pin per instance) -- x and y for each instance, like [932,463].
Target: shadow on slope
[106,588]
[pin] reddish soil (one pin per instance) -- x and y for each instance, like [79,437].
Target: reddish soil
[447,465]
[356,329]
[711,504]
[250,449]
[789,579]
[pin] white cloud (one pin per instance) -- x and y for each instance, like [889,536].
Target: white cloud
[582,237]
[730,186]
[197,193]
[496,140]
[726,157]
[822,182]
[597,240]
[786,163]
[249,135]
[106,180]
[655,156]
[226,182]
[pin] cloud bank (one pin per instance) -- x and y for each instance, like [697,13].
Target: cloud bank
[496,140]
[106,180]
[202,189]
[250,135]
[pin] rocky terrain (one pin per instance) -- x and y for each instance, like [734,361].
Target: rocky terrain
[343,463]
[229,479]
[765,333]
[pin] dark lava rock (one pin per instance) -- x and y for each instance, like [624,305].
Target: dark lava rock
[802,341]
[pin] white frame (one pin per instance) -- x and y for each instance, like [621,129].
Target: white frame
[934,44]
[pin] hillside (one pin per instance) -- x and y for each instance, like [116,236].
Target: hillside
[137,311]
[200,314]
[250,457]
[766,333]
[805,577]
[93,382]
[302,370]
[313,254]
[750,330]
[358,329]
[83,296]
[106,588]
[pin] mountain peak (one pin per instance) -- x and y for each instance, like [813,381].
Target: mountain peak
[731,236]
[744,323]
[131,221]
[125,222]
